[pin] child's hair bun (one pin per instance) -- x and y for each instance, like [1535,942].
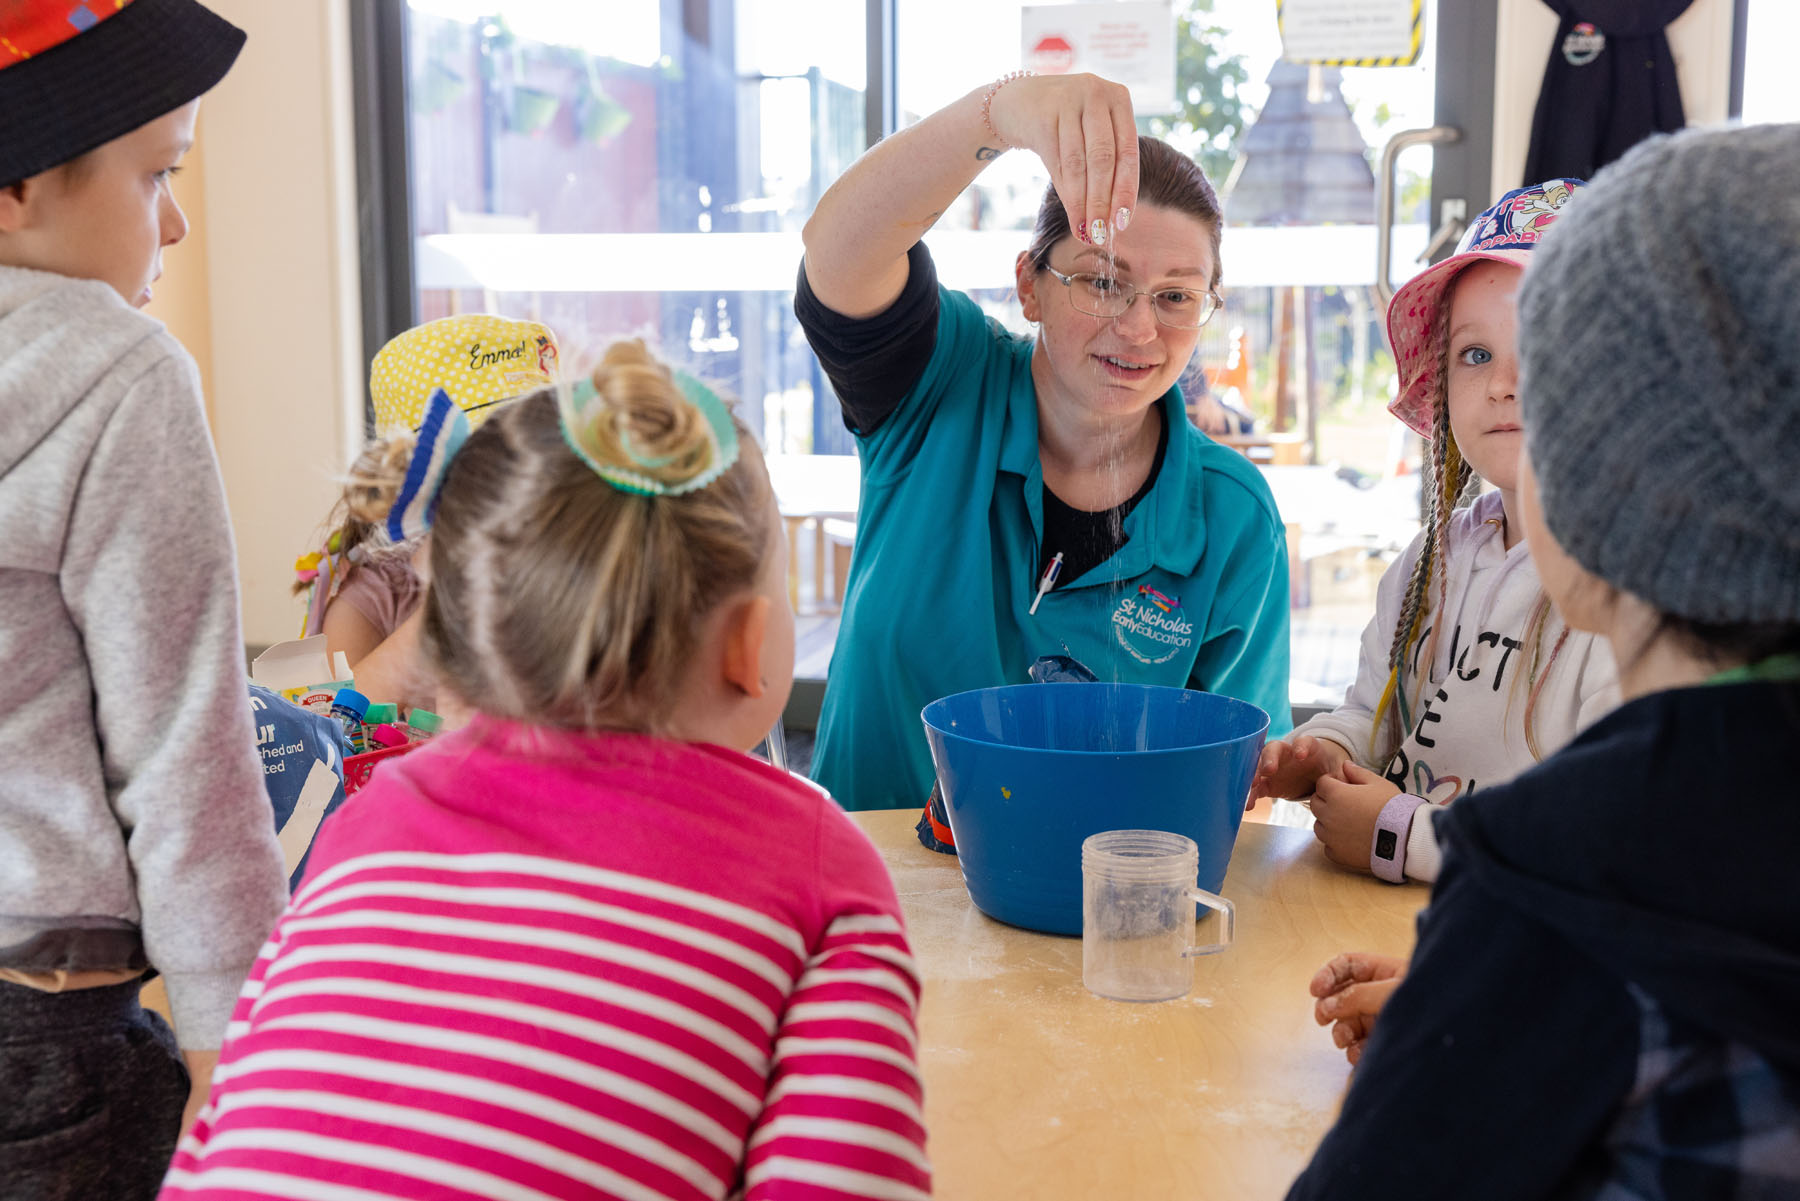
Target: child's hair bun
[583,535]
[640,422]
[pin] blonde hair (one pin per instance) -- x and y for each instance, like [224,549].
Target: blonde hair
[558,598]
[1451,478]
[371,486]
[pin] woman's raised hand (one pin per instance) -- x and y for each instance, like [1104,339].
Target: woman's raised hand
[1083,128]
[858,238]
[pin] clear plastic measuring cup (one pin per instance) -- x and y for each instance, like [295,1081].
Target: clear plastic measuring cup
[1137,915]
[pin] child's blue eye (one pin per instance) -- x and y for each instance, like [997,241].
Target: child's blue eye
[1476,356]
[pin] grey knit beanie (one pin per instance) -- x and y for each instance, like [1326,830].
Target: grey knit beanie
[1659,374]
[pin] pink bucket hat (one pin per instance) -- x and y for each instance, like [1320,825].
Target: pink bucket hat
[1504,233]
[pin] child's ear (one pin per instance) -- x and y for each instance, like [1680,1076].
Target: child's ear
[12,206]
[745,627]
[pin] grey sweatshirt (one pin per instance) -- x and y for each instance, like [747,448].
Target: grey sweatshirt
[131,798]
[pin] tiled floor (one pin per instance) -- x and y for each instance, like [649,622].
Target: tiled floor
[814,636]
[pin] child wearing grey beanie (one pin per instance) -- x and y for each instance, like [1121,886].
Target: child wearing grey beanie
[1602,1001]
[1660,376]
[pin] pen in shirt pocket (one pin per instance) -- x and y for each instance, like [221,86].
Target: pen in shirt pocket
[1048,582]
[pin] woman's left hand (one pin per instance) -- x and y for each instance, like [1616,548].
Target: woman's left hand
[1084,130]
[1344,809]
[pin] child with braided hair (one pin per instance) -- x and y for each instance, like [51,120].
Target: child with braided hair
[1468,676]
[1601,1001]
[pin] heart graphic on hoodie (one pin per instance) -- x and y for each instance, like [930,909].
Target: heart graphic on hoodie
[1425,783]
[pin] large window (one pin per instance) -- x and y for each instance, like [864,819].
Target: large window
[637,168]
[645,168]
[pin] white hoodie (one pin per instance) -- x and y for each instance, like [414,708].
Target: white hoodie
[1468,732]
[131,798]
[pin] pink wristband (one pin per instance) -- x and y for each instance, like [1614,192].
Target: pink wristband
[987,102]
[1387,851]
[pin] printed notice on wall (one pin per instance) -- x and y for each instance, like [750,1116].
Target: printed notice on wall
[1351,33]
[1127,42]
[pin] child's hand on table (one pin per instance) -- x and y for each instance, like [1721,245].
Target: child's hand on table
[1351,989]
[1291,769]
[1344,807]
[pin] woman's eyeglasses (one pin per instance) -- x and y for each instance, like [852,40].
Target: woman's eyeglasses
[1100,296]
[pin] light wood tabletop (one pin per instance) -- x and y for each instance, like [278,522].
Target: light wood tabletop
[1035,1088]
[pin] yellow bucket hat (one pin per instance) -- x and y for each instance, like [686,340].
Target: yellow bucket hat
[478,359]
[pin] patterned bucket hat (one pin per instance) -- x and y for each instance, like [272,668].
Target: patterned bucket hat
[75,74]
[478,359]
[1504,233]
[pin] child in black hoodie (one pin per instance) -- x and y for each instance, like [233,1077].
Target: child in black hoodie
[1602,1001]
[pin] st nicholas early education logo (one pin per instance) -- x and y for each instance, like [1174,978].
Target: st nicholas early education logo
[1150,626]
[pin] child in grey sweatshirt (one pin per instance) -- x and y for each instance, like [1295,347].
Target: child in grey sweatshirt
[134,832]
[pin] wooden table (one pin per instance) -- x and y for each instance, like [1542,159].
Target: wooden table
[1035,1088]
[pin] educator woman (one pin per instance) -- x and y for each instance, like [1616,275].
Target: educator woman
[993,463]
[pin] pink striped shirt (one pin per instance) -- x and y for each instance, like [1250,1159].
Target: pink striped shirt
[532,964]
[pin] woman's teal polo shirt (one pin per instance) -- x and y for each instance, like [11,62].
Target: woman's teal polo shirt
[944,569]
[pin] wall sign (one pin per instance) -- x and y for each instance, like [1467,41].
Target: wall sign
[1128,42]
[1351,33]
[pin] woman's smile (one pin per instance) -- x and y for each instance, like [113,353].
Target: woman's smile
[1126,368]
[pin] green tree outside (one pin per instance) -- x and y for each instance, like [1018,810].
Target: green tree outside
[1211,116]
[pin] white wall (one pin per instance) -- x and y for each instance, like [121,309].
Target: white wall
[1699,40]
[282,283]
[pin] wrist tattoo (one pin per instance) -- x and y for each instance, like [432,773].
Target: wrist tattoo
[987,154]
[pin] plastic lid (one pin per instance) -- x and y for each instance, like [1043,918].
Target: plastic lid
[386,735]
[382,713]
[352,700]
[424,720]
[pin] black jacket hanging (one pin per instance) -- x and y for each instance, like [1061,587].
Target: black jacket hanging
[1610,84]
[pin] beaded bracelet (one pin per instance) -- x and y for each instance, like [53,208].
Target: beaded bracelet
[987,101]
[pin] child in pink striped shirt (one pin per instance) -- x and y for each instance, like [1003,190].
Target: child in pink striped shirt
[586,947]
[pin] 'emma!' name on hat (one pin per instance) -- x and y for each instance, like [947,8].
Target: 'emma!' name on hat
[479,358]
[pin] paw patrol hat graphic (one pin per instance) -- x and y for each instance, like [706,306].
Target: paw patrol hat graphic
[75,74]
[1504,233]
[480,360]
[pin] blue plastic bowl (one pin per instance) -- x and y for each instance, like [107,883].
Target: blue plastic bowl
[1030,770]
